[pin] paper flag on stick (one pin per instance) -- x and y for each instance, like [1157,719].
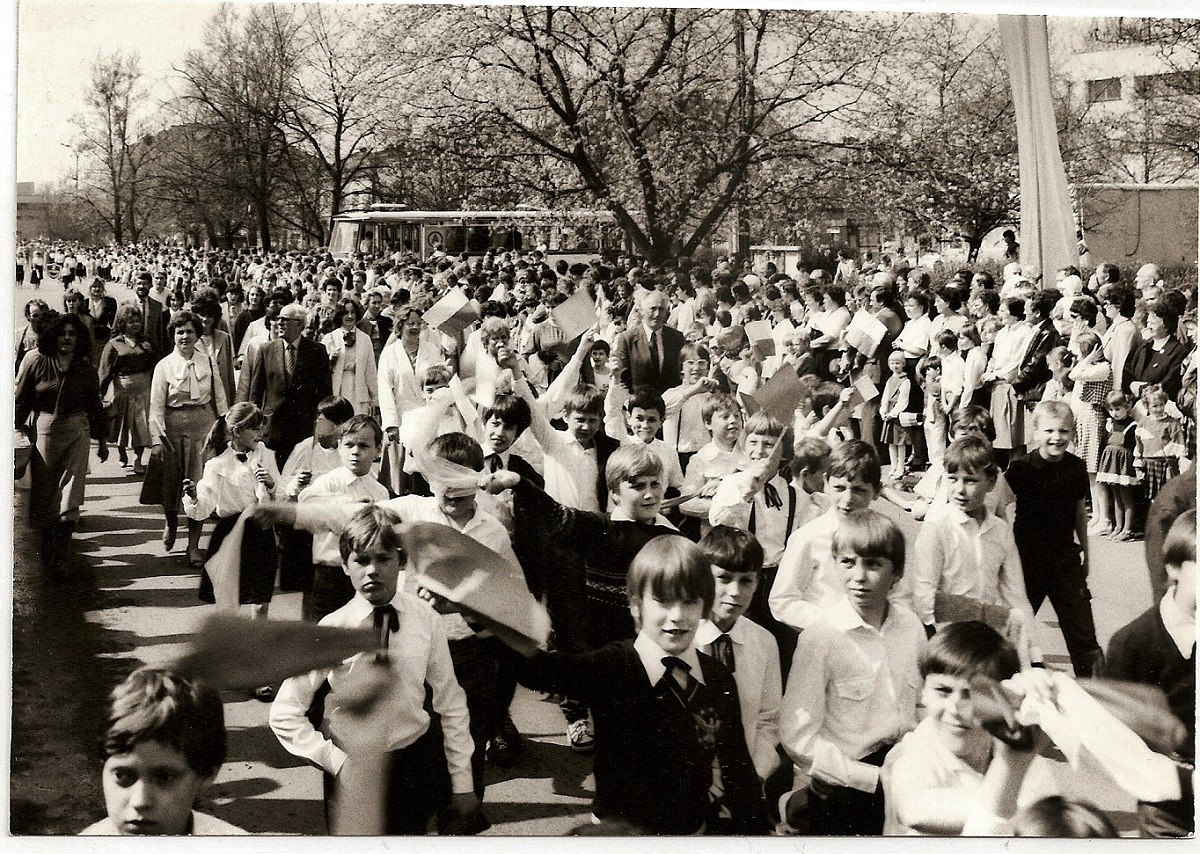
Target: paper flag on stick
[452,313]
[761,336]
[865,333]
[866,389]
[233,652]
[225,567]
[575,316]
[477,580]
[780,395]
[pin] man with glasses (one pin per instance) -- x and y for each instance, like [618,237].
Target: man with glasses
[289,376]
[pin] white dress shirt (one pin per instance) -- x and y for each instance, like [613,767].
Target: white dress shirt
[729,507]
[355,491]
[759,683]
[229,485]
[712,462]
[855,691]
[417,654]
[1179,625]
[308,455]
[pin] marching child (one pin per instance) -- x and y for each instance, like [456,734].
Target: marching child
[638,420]
[720,457]
[934,414]
[163,744]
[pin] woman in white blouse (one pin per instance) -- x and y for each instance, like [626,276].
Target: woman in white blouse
[915,337]
[185,399]
[1007,351]
[352,359]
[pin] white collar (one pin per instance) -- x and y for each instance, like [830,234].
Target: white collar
[652,655]
[360,608]
[619,515]
[1179,625]
[709,632]
[961,517]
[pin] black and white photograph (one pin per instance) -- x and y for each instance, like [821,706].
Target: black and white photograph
[606,420]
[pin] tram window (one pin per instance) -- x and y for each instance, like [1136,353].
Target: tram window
[478,238]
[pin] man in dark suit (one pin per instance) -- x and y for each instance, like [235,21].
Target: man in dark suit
[154,319]
[648,353]
[288,378]
[1034,373]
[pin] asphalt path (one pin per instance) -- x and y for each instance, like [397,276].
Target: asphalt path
[131,603]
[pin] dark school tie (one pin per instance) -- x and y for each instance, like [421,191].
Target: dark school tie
[242,457]
[771,497]
[722,650]
[654,352]
[680,680]
[386,622]
[495,463]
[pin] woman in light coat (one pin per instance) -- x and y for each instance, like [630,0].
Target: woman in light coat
[352,359]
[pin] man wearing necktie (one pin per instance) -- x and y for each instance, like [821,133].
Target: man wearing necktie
[154,323]
[288,378]
[648,354]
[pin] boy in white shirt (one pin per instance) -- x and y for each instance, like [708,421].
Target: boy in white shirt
[720,457]
[644,412]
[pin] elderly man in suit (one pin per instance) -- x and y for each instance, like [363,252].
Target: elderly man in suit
[288,378]
[648,353]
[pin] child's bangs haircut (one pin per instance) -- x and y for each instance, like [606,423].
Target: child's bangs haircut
[646,398]
[719,401]
[371,529]
[438,373]
[968,649]
[336,409]
[930,363]
[511,410]
[810,454]
[1179,546]
[363,424]
[1154,393]
[458,448]
[732,549]
[856,460]
[1053,410]
[672,569]
[970,455]
[763,424]
[1117,400]
[630,461]
[866,533]
[975,419]
[585,399]
[691,351]
[157,704]
[947,339]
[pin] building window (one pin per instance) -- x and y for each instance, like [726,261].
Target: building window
[1108,89]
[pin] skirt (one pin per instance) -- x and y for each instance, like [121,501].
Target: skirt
[1008,416]
[131,404]
[1116,466]
[1158,471]
[895,434]
[1089,435]
[183,451]
[58,469]
[256,581]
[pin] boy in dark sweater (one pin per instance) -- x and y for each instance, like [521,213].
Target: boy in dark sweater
[1159,648]
[1050,527]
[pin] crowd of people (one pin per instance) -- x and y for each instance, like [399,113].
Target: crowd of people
[686,482]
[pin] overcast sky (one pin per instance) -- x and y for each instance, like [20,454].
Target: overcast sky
[59,39]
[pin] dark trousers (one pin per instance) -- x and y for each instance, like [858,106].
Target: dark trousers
[295,559]
[331,589]
[842,811]
[486,670]
[760,612]
[417,786]
[1066,588]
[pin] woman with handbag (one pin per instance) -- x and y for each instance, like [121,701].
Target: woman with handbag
[126,365]
[57,387]
[185,399]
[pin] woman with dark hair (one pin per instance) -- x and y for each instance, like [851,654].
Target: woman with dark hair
[57,387]
[185,399]
[214,342]
[352,359]
[948,304]
[75,303]
[1118,302]
[1157,359]
[126,363]
[1007,351]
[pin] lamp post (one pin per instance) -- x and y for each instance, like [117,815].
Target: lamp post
[74,151]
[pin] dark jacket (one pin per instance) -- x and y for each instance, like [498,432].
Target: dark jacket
[289,403]
[1034,373]
[649,764]
[635,368]
[1146,365]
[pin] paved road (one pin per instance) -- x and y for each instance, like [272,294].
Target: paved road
[138,605]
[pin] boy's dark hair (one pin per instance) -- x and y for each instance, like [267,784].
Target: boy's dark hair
[673,569]
[948,339]
[970,649]
[646,398]
[510,409]
[971,455]
[1016,307]
[930,363]
[1179,546]
[975,418]
[158,704]
[732,549]
[370,528]
[869,534]
[336,409]
[360,423]
[856,460]
[585,399]
[601,345]
[458,448]
[718,402]
[810,454]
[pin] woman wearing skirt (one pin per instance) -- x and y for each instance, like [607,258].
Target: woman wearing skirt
[185,400]
[1007,408]
[127,364]
[57,388]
